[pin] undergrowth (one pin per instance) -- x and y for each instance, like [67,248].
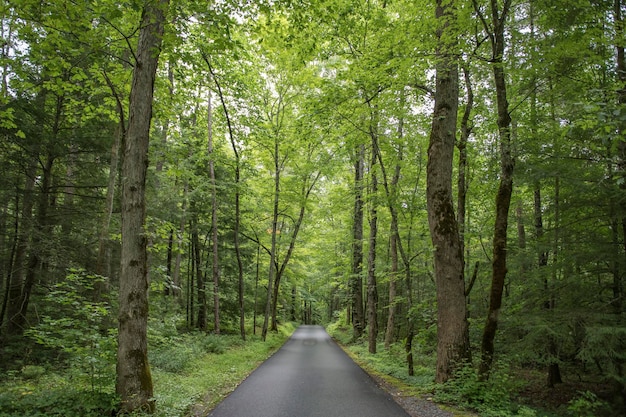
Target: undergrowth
[192,371]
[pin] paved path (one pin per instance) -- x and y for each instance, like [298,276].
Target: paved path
[310,376]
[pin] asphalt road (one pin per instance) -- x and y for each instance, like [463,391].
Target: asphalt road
[310,376]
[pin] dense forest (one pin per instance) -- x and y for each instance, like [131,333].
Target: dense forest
[444,179]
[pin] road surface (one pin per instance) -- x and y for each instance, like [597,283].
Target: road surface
[310,376]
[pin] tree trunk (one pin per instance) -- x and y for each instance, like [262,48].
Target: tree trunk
[134,380]
[102,260]
[505,189]
[466,130]
[452,325]
[307,187]
[391,317]
[394,240]
[396,246]
[200,286]
[40,230]
[356,279]
[14,325]
[618,285]
[372,290]
[240,281]
[273,269]
[215,264]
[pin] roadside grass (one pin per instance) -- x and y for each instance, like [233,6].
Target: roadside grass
[191,373]
[463,396]
[507,393]
[209,377]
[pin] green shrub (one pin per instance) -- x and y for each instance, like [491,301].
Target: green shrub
[174,359]
[587,404]
[213,344]
[490,398]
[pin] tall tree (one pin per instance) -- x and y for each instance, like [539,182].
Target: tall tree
[134,380]
[495,28]
[452,325]
[215,272]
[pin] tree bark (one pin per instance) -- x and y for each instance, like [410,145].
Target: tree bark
[452,325]
[134,380]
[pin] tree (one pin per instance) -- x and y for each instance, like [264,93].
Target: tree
[134,381]
[452,326]
[495,29]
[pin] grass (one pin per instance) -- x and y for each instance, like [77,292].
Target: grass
[211,376]
[191,373]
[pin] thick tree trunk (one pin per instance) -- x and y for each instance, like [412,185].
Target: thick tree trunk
[452,326]
[134,380]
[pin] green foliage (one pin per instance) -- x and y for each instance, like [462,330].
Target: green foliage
[57,403]
[79,327]
[587,404]
[605,346]
[492,398]
[339,330]
[179,353]
[218,365]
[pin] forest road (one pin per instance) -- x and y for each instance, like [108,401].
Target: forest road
[310,376]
